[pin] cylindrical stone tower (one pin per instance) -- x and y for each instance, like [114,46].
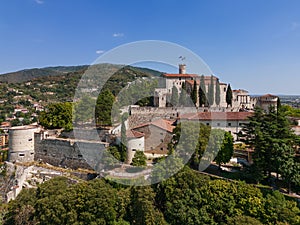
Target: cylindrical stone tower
[21,143]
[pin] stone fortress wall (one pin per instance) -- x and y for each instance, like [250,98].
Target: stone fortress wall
[140,115]
[28,144]
[69,153]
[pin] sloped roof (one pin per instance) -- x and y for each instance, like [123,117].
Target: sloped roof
[134,134]
[160,123]
[175,75]
[268,96]
[210,116]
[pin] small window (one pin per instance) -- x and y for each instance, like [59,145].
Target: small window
[30,139]
[207,124]
[79,156]
[134,150]
[162,149]
[229,124]
[218,124]
[22,154]
[179,78]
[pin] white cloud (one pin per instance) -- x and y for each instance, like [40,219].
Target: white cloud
[39,1]
[100,51]
[118,35]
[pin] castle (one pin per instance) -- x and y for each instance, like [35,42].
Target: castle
[241,100]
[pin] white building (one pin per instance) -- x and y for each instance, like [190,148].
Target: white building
[227,121]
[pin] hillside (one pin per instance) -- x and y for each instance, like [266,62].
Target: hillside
[31,74]
[35,88]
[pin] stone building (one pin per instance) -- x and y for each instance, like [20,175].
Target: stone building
[265,101]
[227,121]
[241,101]
[135,142]
[158,134]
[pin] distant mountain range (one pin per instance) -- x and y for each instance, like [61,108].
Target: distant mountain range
[30,74]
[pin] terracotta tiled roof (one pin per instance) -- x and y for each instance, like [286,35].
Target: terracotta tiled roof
[191,82]
[134,134]
[207,80]
[268,95]
[240,91]
[208,116]
[174,75]
[161,123]
[164,124]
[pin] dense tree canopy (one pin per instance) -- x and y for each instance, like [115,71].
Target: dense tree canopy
[186,198]
[270,135]
[104,107]
[57,115]
[139,159]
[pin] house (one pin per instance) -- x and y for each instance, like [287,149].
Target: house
[227,121]
[135,142]
[157,134]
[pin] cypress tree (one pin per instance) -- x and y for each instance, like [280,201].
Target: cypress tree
[182,97]
[211,91]
[202,91]
[218,97]
[194,93]
[229,96]
[123,140]
[174,97]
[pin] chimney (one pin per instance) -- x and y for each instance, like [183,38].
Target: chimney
[182,68]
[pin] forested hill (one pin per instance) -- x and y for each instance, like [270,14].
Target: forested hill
[31,74]
[58,84]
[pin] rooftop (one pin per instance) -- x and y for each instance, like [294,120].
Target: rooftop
[204,116]
[160,123]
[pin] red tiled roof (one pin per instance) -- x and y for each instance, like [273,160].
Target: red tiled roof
[164,124]
[216,116]
[180,75]
[134,134]
[268,95]
[207,80]
[239,91]
[191,82]
[161,123]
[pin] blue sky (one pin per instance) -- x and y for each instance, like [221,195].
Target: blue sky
[252,44]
